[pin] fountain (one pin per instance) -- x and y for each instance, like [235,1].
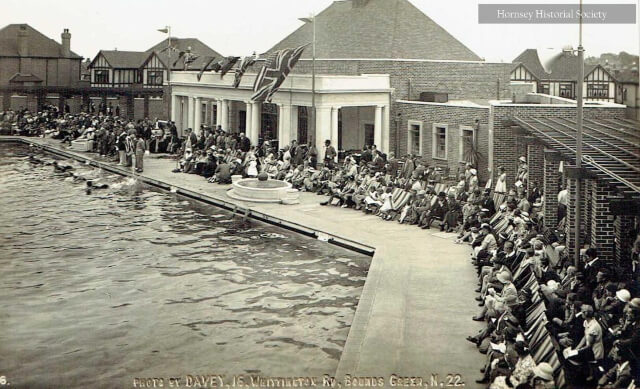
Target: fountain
[263,190]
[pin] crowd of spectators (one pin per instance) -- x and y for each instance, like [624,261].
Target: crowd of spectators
[548,322]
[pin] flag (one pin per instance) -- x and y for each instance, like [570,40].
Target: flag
[165,30]
[223,66]
[207,62]
[274,72]
[244,64]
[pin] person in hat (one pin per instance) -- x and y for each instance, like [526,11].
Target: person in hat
[481,251]
[419,206]
[523,171]
[542,377]
[628,336]
[496,303]
[451,217]
[436,212]
[590,348]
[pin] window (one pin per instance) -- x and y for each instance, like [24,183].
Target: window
[566,90]
[543,88]
[101,76]
[203,113]
[242,122]
[414,140]
[214,114]
[369,134]
[154,77]
[467,144]
[598,90]
[303,124]
[439,141]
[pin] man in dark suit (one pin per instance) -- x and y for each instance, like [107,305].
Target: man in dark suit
[245,143]
[392,165]
[487,203]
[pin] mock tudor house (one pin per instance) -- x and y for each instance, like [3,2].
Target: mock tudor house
[379,63]
[122,77]
[561,79]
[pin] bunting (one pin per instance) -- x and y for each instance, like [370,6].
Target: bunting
[242,68]
[207,62]
[225,65]
[274,72]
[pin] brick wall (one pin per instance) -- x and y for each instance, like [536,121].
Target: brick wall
[535,163]
[453,117]
[602,230]
[551,185]
[505,145]
[461,80]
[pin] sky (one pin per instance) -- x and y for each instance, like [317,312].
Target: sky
[240,27]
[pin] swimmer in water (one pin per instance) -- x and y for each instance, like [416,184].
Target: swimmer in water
[60,169]
[91,187]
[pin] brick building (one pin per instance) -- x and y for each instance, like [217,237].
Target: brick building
[371,57]
[543,129]
[31,61]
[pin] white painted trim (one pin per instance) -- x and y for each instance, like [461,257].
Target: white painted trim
[462,129]
[446,141]
[409,130]
[472,105]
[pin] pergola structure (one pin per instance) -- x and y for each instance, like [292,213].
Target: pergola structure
[610,177]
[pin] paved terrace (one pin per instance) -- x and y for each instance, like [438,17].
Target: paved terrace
[416,307]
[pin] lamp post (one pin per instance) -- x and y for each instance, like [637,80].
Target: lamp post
[312,19]
[167,30]
[579,102]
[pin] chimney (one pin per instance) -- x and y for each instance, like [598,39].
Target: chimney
[66,43]
[23,41]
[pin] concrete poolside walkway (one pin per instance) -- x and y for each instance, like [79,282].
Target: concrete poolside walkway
[416,307]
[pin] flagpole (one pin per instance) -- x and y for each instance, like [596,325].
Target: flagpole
[313,79]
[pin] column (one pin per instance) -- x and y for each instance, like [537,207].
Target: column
[551,183]
[623,226]
[334,128]
[377,134]
[535,163]
[285,127]
[225,115]
[386,133]
[174,109]
[323,129]
[190,117]
[249,117]
[294,124]
[218,112]
[602,219]
[197,115]
[256,123]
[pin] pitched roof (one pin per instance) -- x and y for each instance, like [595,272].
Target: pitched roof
[124,59]
[19,77]
[566,66]
[627,76]
[530,59]
[182,44]
[376,29]
[39,44]
[562,67]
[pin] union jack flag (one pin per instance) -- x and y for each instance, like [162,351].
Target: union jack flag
[275,71]
[207,62]
[244,65]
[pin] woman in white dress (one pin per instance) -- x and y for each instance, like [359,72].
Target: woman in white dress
[501,184]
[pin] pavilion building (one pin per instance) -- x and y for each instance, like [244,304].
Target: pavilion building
[371,57]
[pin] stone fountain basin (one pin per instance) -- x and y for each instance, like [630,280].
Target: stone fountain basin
[250,189]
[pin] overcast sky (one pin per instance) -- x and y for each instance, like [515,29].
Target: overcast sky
[239,27]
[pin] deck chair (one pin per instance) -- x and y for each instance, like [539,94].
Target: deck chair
[544,350]
[561,381]
[399,199]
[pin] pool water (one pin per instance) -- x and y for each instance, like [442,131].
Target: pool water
[126,282]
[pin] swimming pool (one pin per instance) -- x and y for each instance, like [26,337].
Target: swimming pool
[134,282]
